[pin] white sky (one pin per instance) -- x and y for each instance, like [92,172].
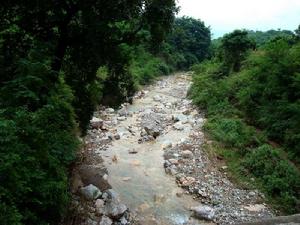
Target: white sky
[224,16]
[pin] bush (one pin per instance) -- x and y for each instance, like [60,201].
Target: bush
[146,67]
[233,133]
[36,148]
[279,177]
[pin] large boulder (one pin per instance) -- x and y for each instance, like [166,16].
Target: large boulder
[152,123]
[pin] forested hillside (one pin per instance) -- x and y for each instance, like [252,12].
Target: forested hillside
[58,61]
[251,96]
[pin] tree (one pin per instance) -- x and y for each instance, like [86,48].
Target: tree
[262,37]
[191,38]
[79,36]
[234,47]
[50,52]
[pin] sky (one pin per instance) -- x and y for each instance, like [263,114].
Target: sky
[224,16]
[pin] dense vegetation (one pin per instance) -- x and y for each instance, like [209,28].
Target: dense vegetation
[252,100]
[58,60]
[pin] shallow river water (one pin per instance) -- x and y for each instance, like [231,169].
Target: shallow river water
[140,178]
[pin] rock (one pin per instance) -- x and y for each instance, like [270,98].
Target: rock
[123,112]
[105,221]
[171,170]
[176,155]
[169,105]
[123,220]
[167,144]
[112,195]
[114,159]
[105,176]
[178,126]
[132,151]
[224,167]
[255,208]
[157,98]
[110,110]
[203,212]
[96,123]
[94,175]
[173,161]
[110,136]
[187,181]
[179,194]
[117,136]
[167,164]
[152,124]
[180,118]
[187,154]
[252,193]
[143,133]
[152,130]
[126,178]
[90,192]
[113,207]
[192,122]
[99,205]
[121,118]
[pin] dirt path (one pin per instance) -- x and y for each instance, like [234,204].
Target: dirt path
[152,151]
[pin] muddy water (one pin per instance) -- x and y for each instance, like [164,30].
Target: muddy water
[140,178]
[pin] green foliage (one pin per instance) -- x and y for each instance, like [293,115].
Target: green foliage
[263,37]
[233,133]
[58,60]
[264,93]
[35,149]
[235,46]
[273,90]
[146,67]
[280,178]
[190,41]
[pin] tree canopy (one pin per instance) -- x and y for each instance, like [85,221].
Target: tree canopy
[57,59]
[234,47]
[191,38]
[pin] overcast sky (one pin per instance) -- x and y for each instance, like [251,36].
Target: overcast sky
[224,16]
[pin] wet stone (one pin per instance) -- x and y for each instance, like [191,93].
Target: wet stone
[90,192]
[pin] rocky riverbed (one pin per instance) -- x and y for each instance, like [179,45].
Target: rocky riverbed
[145,164]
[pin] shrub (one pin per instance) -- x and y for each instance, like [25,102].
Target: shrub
[280,178]
[233,133]
[37,144]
